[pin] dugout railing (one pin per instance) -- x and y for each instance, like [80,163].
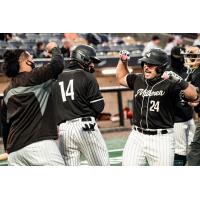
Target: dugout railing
[118,90]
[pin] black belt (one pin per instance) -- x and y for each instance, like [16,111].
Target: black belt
[150,132]
[85,119]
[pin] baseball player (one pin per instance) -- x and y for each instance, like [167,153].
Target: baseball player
[192,61]
[151,141]
[29,125]
[184,126]
[78,102]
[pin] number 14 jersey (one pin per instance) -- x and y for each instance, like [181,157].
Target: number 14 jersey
[73,94]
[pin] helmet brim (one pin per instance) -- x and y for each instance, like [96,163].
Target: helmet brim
[148,61]
[95,60]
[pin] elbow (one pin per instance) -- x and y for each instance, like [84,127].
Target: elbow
[98,106]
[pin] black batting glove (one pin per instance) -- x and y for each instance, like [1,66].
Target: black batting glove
[175,78]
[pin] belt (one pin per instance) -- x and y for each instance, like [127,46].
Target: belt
[147,132]
[83,119]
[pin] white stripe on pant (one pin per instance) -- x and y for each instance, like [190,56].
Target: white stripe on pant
[42,153]
[74,141]
[184,133]
[141,149]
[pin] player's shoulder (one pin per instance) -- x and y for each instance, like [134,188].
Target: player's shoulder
[78,74]
[70,72]
[135,76]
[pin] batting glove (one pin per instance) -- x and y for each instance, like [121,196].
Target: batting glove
[124,56]
[171,75]
[175,78]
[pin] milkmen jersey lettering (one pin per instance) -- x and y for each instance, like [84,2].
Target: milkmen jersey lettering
[74,93]
[153,101]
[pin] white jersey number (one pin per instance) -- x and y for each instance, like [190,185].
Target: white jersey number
[69,91]
[154,106]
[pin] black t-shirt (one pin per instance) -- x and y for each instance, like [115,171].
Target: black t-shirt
[153,101]
[74,92]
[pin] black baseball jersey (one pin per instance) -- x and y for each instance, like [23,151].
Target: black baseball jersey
[153,101]
[75,94]
[27,112]
[195,77]
[195,80]
[182,110]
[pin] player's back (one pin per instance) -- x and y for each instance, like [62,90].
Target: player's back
[72,94]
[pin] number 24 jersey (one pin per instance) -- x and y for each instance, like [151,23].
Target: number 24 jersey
[153,101]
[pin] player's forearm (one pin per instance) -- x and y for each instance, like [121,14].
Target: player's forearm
[121,72]
[57,61]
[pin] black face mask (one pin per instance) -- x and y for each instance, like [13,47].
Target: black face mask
[91,70]
[31,64]
[177,63]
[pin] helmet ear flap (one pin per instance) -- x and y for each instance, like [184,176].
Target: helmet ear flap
[159,70]
[81,58]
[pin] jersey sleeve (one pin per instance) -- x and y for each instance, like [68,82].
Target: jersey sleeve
[176,92]
[130,79]
[5,125]
[196,82]
[47,72]
[94,96]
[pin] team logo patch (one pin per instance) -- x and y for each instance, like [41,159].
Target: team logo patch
[148,55]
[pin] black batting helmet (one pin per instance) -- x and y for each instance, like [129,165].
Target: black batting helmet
[84,54]
[156,57]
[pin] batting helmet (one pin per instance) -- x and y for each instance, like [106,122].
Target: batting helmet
[84,54]
[156,57]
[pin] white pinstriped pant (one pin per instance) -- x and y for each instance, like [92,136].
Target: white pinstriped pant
[42,153]
[184,133]
[74,141]
[142,149]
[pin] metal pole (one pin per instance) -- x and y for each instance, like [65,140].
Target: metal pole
[120,107]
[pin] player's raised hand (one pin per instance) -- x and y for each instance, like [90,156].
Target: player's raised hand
[172,76]
[175,78]
[124,55]
[50,46]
